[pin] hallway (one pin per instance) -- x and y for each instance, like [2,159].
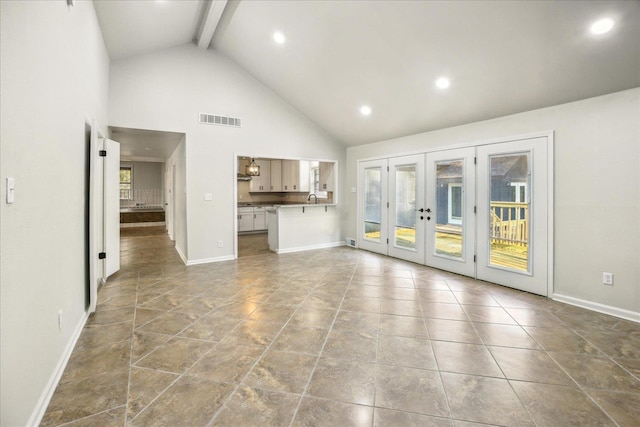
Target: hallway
[337,337]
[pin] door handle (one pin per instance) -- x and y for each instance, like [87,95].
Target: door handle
[420,210]
[428,210]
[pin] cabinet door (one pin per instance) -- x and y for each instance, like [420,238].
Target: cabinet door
[262,182]
[260,221]
[290,171]
[326,176]
[245,220]
[276,175]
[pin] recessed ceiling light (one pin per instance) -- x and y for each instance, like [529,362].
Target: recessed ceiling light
[365,110]
[602,26]
[443,83]
[278,37]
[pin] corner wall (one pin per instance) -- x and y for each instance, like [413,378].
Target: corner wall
[597,190]
[54,76]
[166,90]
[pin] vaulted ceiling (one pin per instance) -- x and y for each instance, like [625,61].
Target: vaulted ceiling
[501,57]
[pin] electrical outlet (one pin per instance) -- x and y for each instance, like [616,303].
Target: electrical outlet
[219,243]
[607,279]
[59,320]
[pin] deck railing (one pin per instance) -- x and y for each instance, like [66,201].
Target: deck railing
[510,223]
[141,198]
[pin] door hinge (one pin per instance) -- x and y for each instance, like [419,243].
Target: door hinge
[103,153]
[387,241]
[102,255]
[474,258]
[475,209]
[387,168]
[475,160]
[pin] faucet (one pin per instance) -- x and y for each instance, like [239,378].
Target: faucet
[309,198]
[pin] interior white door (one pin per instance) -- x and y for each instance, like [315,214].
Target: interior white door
[450,226]
[513,211]
[406,201]
[373,206]
[111,207]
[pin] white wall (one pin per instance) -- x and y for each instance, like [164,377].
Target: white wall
[54,75]
[597,188]
[166,90]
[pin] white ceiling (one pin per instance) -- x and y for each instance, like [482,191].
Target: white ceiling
[145,145]
[503,57]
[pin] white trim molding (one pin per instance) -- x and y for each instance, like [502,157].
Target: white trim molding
[54,380]
[634,316]
[210,260]
[311,247]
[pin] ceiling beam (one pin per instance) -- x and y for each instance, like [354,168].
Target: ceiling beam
[210,22]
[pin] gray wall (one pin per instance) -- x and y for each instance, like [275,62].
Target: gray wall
[597,190]
[55,75]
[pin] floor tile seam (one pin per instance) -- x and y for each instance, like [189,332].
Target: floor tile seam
[579,388]
[141,411]
[582,389]
[267,348]
[324,343]
[67,423]
[606,354]
[133,334]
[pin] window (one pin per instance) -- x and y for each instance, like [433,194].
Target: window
[126,183]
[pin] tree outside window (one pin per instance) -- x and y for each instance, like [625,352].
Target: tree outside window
[126,183]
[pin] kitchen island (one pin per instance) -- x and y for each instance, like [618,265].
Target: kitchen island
[295,228]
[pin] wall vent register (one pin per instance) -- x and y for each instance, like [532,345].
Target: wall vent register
[212,119]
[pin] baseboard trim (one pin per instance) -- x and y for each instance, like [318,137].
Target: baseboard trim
[141,224]
[600,308]
[210,260]
[181,255]
[311,247]
[52,384]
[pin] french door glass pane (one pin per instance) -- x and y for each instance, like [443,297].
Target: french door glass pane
[405,221]
[372,206]
[509,212]
[449,208]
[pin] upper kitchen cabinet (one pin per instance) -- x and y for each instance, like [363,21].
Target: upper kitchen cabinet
[262,182]
[276,175]
[326,176]
[295,175]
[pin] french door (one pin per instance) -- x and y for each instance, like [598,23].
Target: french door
[513,214]
[479,211]
[451,186]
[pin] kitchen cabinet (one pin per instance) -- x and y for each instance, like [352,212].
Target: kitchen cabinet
[295,175]
[326,176]
[262,182]
[259,219]
[276,175]
[245,219]
[252,219]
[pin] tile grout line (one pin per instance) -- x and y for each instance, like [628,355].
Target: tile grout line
[324,343]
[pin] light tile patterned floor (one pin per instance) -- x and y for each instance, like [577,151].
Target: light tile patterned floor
[337,337]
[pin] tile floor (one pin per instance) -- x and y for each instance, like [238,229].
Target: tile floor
[337,337]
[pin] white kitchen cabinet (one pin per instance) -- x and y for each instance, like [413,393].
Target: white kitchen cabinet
[326,176]
[245,219]
[276,175]
[262,182]
[259,219]
[295,175]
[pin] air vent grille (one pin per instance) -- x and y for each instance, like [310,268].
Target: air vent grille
[213,119]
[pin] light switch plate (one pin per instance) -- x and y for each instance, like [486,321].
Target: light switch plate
[208,197]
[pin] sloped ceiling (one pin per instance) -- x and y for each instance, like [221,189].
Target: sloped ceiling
[502,57]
